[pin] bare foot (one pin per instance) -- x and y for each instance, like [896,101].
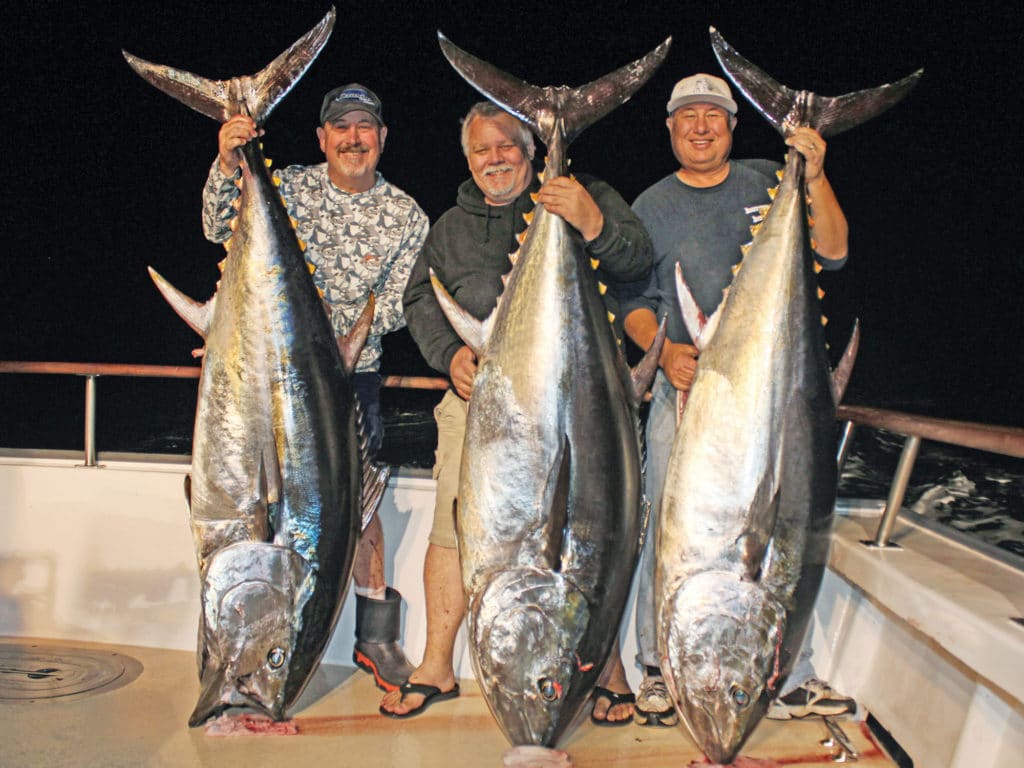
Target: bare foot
[614,679]
[397,704]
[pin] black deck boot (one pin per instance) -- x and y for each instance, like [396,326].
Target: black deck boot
[377,649]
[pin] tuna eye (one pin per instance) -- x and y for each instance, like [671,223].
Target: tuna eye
[275,658]
[549,689]
[740,697]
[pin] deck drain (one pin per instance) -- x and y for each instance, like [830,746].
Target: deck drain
[33,672]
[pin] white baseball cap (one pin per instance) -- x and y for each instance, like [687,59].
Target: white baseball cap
[702,89]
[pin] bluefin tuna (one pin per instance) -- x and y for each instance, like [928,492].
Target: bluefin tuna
[750,488]
[549,514]
[275,492]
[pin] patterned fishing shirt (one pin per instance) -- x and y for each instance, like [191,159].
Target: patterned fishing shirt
[362,242]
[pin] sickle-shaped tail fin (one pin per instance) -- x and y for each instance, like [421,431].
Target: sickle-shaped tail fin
[257,95]
[786,107]
[552,110]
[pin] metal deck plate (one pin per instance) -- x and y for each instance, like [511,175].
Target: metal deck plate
[34,672]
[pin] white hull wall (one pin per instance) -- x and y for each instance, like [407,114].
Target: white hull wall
[921,637]
[105,554]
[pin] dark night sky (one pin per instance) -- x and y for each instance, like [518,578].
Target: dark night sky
[104,172]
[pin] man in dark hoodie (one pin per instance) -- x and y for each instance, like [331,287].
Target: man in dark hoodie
[468,249]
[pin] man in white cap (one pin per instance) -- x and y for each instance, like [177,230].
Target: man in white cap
[699,217]
[362,235]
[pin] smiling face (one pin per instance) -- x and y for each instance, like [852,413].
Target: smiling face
[352,145]
[500,166]
[701,136]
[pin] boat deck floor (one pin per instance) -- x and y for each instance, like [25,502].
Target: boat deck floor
[139,719]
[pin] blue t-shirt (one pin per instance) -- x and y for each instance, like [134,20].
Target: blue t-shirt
[702,229]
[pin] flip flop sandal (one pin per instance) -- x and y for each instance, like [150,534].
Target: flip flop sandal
[614,699]
[431,693]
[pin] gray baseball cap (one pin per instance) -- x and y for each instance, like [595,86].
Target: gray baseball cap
[702,89]
[349,98]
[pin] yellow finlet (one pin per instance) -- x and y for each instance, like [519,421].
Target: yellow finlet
[821,293]
[227,245]
[611,317]
[736,268]
[528,217]
[810,221]
[238,182]
[817,268]
[602,288]
[294,221]
[754,230]
[311,267]
[534,196]
[779,174]
[276,180]
[233,223]
[814,245]
[540,175]
[302,244]
[824,321]
[594,263]
[221,263]
[267,162]
[745,249]
[514,257]
[521,237]
[772,192]
[237,203]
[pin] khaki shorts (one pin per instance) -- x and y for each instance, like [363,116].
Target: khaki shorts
[450,415]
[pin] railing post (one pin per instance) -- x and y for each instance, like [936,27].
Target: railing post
[896,492]
[90,421]
[844,444]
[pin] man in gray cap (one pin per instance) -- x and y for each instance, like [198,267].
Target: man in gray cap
[362,235]
[699,217]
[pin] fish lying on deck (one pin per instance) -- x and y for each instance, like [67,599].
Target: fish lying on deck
[750,487]
[549,513]
[275,494]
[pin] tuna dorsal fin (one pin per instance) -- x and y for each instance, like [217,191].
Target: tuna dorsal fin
[257,95]
[841,375]
[351,344]
[559,114]
[472,331]
[785,107]
[191,311]
[643,374]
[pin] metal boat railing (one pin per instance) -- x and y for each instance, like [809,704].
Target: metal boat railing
[1008,441]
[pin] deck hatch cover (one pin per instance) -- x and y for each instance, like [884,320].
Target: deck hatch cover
[37,671]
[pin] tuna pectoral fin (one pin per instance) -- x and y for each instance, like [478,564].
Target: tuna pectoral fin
[550,110]
[470,330]
[643,374]
[782,106]
[700,327]
[841,375]
[257,95]
[191,311]
[351,344]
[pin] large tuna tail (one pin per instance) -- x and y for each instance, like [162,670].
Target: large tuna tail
[255,95]
[557,115]
[786,108]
